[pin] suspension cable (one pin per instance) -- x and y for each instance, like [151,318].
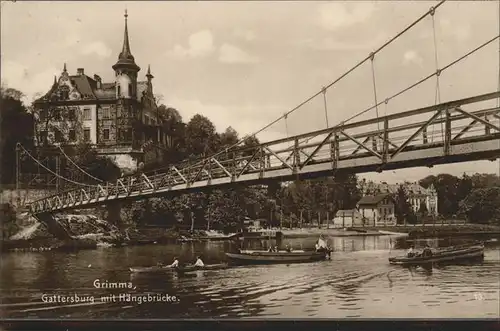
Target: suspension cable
[375,87]
[76,165]
[52,172]
[437,98]
[438,72]
[387,43]
[425,78]
[431,11]
[326,107]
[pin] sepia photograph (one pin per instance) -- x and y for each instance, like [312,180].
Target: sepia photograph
[246,160]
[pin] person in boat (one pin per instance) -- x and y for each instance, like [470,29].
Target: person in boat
[175,264]
[321,245]
[427,252]
[199,262]
[411,252]
[288,248]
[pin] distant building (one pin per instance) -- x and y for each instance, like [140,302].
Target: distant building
[417,194]
[345,218]
[377,209]
[119,118]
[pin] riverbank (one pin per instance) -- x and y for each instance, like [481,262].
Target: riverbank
[442,231]
[89,232]
[412,231]
[350,232]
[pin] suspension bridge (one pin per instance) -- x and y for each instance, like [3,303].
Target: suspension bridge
[468,129]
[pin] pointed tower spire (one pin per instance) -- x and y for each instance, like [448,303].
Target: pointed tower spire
[126,45]
[64,69]
[55,80]
[126,59]
[149,75]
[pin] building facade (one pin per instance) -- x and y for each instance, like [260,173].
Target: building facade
[417,195]
[377,209]
[345,218]
[119,118]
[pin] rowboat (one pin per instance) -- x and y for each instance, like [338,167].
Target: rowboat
[449,254]
[187,268]
[265,257]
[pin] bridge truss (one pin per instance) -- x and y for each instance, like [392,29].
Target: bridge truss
[468,132]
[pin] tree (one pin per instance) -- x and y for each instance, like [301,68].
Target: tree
[228,138]
[482,205]
[175,130]
[200,136]
[402,208]
[16,126]
[225,210]
[86,158]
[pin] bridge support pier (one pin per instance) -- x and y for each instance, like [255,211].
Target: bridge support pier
[113,215]
[53,226]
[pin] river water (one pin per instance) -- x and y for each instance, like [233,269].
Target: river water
[357,282]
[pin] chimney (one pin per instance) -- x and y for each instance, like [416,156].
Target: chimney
[80,71]
[99,81]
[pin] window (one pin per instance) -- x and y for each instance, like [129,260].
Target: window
[58,137]
[56,114]
[86,134]
[72,135]
[71,114]
[43,114]
[105,113]
[105,134]
[130,89]
[125,135]
[87,116]
[119,91]
[43,136]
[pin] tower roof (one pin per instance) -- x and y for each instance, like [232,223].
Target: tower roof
[126,59]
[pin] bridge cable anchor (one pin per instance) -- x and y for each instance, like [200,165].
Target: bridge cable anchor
[372,56]
[432,11]
[438,72]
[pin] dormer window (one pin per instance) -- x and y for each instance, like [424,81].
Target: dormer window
[64,93]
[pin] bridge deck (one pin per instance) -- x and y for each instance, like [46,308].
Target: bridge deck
[439,134]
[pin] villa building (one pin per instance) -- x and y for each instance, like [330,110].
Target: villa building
[119,118]
[417,194]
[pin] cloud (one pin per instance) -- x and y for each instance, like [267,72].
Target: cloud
[412,57]
[247,35]
[332,44]
[461,31]
[96,48]
[233,54]
[18,76]
[199,44]
[334,15]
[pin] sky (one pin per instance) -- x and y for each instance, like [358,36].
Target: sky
[244,64]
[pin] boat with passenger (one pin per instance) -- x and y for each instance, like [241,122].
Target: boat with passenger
[186,268]
[428,256]
[276,256]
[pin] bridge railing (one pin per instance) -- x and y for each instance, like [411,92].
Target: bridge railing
[383,138]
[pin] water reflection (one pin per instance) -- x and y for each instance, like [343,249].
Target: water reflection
[357,282]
